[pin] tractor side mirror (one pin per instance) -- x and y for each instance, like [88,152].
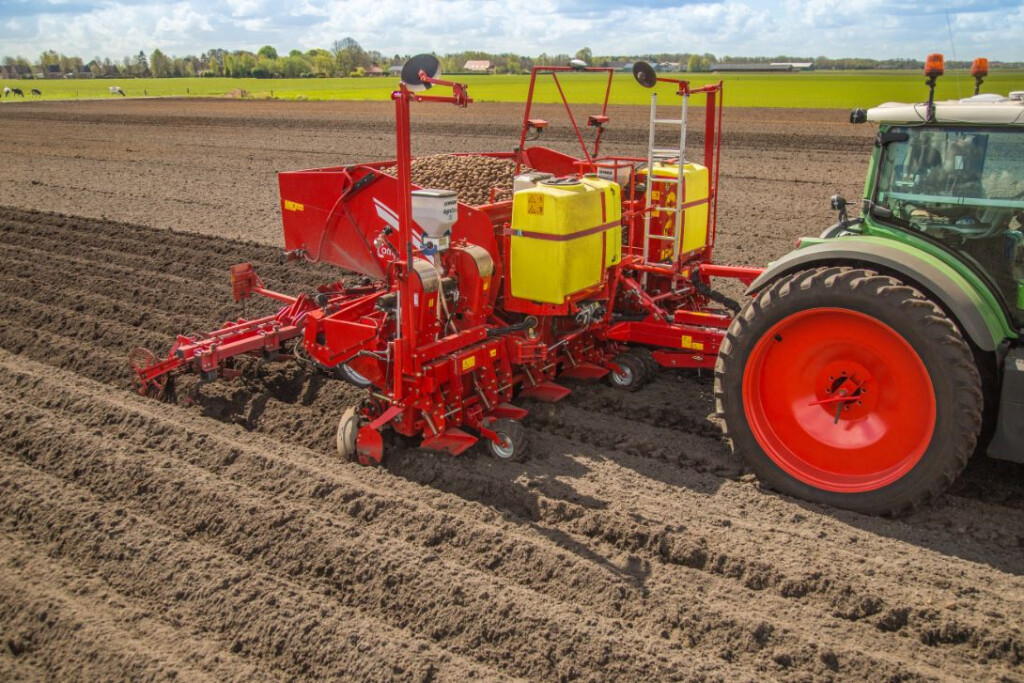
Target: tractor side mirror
[883,139]
[839,204]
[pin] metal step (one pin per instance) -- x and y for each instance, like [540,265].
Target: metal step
[676,122]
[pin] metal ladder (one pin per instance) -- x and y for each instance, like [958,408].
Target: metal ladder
[664,154]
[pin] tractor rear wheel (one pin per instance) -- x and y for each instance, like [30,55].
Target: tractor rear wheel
[849,388]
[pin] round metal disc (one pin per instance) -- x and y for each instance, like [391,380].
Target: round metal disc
[428,64]
[348,426]
[644,74]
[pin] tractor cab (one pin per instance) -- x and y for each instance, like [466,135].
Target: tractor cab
[962,185]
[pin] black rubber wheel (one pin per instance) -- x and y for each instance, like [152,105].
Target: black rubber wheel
[343,371]
[811,345]
[633,374]
[515,441]
[648,357]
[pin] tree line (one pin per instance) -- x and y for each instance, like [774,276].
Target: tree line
[347,57]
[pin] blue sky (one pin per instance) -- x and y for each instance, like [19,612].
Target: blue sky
[834,28]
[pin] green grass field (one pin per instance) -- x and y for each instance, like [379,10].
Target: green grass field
[816,89]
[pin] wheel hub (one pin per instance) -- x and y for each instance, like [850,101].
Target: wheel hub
[846,390]
[505,448]
[839,400]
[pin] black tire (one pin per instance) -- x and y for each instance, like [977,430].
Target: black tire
[515,440]
[648,357]
[932,336]
[634,372]
[344,372]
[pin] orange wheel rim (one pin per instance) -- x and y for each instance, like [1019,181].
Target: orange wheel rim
[839,400]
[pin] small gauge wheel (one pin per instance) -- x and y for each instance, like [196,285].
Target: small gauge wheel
[632,373]
[512,438]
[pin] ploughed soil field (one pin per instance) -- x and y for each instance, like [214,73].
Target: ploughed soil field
[219,537]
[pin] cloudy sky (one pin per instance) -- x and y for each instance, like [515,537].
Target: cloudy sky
[834,28]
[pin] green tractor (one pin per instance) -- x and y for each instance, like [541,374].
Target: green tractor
[873,361]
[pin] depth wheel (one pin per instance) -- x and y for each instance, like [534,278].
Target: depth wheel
[514,441]
[632,372]
[348,428]
[648,357]
[849,388]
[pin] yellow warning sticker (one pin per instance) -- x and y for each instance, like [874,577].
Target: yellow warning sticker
[487,284]
[688,343]
[430,302]
[494,352]
[289,205]
[468,363]
[535,204]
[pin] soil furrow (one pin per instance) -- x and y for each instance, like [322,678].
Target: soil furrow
[45,607]
[255,615]
[612,591]
[630,545]
[471,612]
[722,624]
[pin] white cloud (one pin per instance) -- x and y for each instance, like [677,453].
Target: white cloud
[244,8]
[870,28]
[180,24]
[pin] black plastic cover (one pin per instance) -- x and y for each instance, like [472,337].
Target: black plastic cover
[1008,442]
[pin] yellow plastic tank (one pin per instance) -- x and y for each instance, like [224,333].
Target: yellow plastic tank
[695,216]
[565,233]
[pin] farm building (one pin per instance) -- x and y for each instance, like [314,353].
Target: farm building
[797,66]
[621,66]
[395,69]
[753,68]
[375,71]
[479,66]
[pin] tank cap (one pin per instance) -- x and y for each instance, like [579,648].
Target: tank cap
[562,182]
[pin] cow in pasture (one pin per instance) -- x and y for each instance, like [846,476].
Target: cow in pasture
[37,92]
[18,92]
[7,91]
[116,90]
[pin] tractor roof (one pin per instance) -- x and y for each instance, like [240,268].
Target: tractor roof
[988,109]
